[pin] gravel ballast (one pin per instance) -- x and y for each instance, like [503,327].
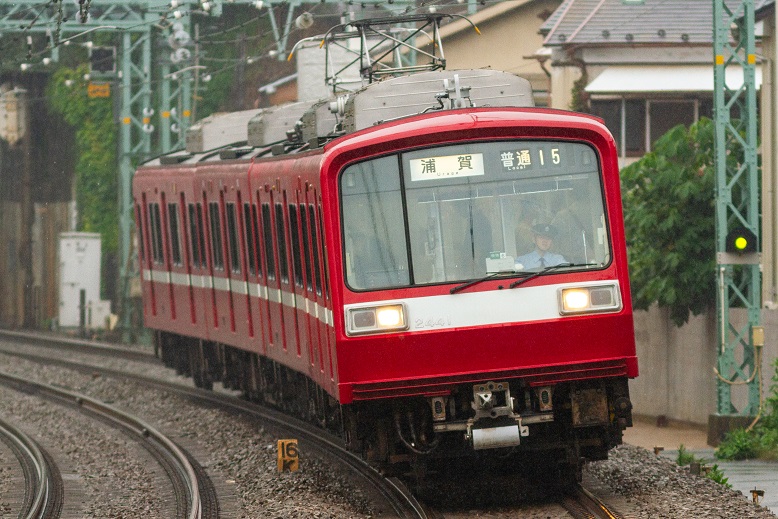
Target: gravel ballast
[240,457]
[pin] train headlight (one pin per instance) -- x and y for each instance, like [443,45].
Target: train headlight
[376,319]
[588,299]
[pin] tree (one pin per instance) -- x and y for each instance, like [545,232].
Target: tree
[669,216]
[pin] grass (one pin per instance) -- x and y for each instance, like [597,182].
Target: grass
[711,472]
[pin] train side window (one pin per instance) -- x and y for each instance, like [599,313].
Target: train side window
[156,233]
[175,237]
[232,238]
[251,252]
[315,246]
[201,235]
[296,255]
[139,234]
[152,235]
[267,239]
[305,237]
[326,285]
[256,225]
[283,263]
[193,235]
[216,236]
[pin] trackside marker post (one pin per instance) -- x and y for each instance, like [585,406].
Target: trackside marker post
[288,456]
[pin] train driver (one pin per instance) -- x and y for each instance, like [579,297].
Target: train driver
[541,257]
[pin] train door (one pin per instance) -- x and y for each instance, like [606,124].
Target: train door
[253,270]
[328,329]
[180,306]
[198,265]
[241,324]
[314,288]
[267,275]
[299,301]
[144,251]
[277,269]
[158,271]
[226,305]
[218,284]
[186,258]
[309,315]
[232,260]
[288,327]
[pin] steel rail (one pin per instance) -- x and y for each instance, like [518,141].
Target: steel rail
[40,481]
[162,444]
[79,345]
[583,504]
[403,502]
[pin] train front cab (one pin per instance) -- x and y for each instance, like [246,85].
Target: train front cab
[448,343]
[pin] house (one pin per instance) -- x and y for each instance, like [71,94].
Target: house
[644,66]
[508,40]
[765,12]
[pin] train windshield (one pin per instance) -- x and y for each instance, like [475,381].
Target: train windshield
[456,213]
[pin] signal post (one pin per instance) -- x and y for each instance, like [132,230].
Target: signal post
[738,259]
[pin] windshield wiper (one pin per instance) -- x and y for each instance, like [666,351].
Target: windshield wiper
[546,271]
[526,276]
[463,286]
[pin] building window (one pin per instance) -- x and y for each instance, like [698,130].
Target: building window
[637,123]
[664,115]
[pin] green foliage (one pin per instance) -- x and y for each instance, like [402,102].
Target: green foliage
[716,474]
[738,445]
[95,136]
[761,441]
[669,216]
[685,457]
[579,99]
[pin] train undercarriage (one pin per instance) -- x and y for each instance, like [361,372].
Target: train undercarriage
[556,426]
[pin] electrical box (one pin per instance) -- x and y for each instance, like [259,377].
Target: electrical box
[79,256]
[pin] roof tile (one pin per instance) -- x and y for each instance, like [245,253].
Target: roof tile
[619,22]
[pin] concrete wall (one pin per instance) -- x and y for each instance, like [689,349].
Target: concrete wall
[769,143]
[676,365]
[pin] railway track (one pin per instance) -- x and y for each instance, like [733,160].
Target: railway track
[42,481]
[396,495]
[195,497]
[583,504]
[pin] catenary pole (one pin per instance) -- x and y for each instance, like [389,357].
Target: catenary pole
[737,213]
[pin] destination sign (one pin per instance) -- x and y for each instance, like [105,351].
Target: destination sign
[449,166]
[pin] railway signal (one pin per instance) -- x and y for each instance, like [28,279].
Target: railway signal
[741,240]
[737,200]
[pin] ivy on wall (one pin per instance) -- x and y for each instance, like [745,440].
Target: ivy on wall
[96,182]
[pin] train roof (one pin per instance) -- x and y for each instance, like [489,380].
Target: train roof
[301,126]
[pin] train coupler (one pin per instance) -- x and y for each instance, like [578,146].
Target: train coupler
[508,435]
[494,406]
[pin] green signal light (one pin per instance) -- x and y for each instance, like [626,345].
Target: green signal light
[741,243]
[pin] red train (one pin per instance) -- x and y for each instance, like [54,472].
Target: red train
[431,280]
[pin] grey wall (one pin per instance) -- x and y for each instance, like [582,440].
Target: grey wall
[676,365]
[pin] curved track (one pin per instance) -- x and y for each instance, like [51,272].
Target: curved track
[192,487]
[393,491]
[43,483]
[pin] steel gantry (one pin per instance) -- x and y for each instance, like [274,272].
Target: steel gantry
[737,208]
